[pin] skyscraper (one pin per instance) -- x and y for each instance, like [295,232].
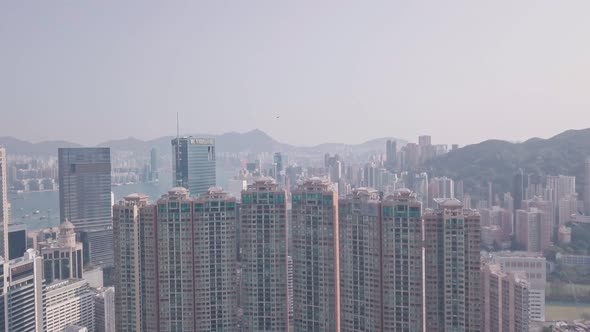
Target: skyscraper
[3,205]
[176,282]
[391,155]
[153,164]
[278,170]
[316,287]
[176,262]
[17,240]
[561,186]
[85,187]
[131,236]
[402,262]
[532,229]
[214,238]
[533,265]
[518,190]
[264,257]
[452,268]
[424,140]
[505,304]
[25,297]
[360,265]
[193,164]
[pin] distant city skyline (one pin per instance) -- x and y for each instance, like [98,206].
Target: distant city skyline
[344,71]
[412,139]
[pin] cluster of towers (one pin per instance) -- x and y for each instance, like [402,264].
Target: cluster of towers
[359,263]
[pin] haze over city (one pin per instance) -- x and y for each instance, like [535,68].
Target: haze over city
[274,166]
[345,71]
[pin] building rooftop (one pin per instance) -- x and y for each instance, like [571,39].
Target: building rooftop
[448,203]
[63,283]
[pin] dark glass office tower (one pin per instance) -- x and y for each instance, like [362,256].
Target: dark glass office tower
[193,164]
[85,187]
[518,191]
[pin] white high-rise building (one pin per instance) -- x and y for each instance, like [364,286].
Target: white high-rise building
[505,305]
[25,294]
[533,265]
[69,302]
[561,185]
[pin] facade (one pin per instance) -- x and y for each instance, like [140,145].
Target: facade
[360,265]
[391,155]
[97,246]
[316,286]
[104,310]
[533,265]
[214,237]
[135,265]
[4,218]
[533,229]
[574,260]
[175,255]
[452,268]
[17,240]
[85,187]
[290,288]
[518,190]
[62,259]
[176,262]
[69,302]
[264,257]
[561,186]
[193,164]
[568,206]
[402,262]
[153,165]
[505,300]
[442,187]
[25,294]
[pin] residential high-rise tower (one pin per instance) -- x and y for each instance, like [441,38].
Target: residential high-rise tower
[505,302]
[360,265]
[263,235]
[316,286]
[176,262]
[215,261]
[402,262]
[135,264]
[452,268]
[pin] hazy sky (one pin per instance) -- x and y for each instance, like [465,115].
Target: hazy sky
[348,71]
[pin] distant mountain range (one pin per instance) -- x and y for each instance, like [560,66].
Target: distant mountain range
[493,160]
[255,141]
[497,161]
